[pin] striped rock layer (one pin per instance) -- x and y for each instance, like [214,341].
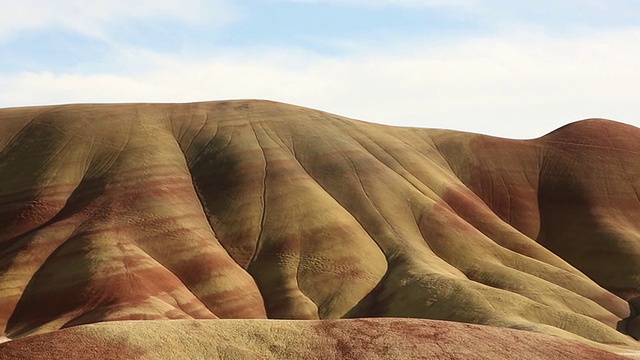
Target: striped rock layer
[255,209]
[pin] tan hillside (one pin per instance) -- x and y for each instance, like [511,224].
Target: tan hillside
[255,209]
[382,338]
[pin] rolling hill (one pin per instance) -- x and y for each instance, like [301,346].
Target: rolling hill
[225,216]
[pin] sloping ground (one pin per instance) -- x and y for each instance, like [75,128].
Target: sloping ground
[387,338]
[252,209]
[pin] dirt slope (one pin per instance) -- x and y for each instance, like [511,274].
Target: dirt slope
[388,338]
[254,209]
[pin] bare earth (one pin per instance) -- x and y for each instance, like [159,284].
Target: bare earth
[119,220]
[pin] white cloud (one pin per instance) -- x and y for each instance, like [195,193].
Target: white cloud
[91,18]
[516,85]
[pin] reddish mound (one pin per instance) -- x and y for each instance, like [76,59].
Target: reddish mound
[268,339]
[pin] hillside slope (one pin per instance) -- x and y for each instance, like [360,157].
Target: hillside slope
[255,209]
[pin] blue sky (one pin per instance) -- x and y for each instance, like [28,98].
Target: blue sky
[506,68]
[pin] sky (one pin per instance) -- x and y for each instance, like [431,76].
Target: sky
[515,69]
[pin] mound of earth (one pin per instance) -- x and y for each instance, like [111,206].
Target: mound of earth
[385,338]
[262,210]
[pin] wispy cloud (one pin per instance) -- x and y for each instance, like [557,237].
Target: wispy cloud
[94,17]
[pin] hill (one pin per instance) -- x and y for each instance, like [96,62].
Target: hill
[262,210]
